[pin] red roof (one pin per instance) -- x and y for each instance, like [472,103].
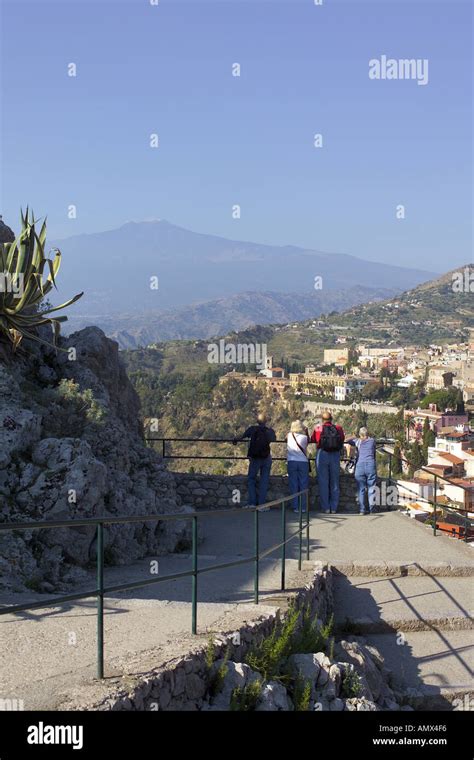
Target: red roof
[451,458]
[462,482]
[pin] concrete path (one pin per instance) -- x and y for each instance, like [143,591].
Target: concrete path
[431,661]
[47,652]
[411,603]
[388,536]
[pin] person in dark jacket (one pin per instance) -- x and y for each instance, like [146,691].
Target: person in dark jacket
[365,469]
[260,460]
[329,440]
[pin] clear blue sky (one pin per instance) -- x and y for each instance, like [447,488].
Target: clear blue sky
[247,140]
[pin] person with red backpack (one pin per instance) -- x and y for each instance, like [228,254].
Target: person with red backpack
[329,440]
[260,460]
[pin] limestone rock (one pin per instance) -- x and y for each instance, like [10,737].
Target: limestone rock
[71,446]
[306,666]
[238,675]
[371,678]
[274,697]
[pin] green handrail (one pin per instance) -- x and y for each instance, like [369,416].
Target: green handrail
[101,591]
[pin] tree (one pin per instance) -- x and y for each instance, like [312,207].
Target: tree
[444,398]
[428,439]
[459,402]
[397,465]
[373,390]
[415,457]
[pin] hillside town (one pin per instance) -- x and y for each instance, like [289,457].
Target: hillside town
[431,388]
[351,374]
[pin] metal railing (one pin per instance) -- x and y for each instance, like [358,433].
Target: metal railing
[458,511]
[167,455]
[101,591]
[379,451]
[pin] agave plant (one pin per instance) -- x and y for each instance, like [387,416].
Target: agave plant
[23,285]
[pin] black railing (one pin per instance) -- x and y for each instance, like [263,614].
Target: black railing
[380,451]
[461,512]
[101,590]
[166,454]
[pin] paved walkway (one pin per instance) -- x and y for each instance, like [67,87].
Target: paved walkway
[48,651]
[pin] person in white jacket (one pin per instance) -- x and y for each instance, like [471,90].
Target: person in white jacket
[297,460]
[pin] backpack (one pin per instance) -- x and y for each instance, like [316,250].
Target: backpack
[259,446]
[330,438]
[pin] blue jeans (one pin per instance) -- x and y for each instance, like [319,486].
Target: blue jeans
[298,481]
[328,465]
[366,476]
[262,467]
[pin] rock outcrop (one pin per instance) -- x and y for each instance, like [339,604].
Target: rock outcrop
[71,447]
[6,233]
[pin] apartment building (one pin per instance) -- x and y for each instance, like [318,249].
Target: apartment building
[344,386]
[337,356]
[277,385]
[451,443]
[317,383]
[439,377]
[438,421]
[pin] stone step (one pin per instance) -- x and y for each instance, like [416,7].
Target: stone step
[404,603]
[431,669]
[380,569]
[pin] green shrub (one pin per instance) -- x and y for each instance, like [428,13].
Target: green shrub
[299,633]
[210,652]
[245,699]
[216,679]
[71,410]
[301,694]
[269,656]
[312,637]
[351,685]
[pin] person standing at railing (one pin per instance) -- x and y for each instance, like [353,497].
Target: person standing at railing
[297,460]
[365,470]
[260,460]
[329,440]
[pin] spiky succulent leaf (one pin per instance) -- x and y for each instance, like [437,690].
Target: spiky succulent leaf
[24,261]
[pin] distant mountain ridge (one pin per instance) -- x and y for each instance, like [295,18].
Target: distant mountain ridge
[434,310]
[213,318]
[114,269]
[428,314]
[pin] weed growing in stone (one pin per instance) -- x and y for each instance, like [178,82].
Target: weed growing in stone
[312,637]
[245,699]
[216,675]
[300,633]
[269,656]
[351,685]
[301,694]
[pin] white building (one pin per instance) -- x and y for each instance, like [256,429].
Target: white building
[407,381]
[456,446]
[344,386]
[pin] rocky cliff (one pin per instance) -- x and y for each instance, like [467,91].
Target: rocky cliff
[71,447]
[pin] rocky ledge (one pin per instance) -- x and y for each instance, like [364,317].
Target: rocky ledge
[71,447]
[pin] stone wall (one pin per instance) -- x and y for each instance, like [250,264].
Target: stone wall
[220,491]
[184,683]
